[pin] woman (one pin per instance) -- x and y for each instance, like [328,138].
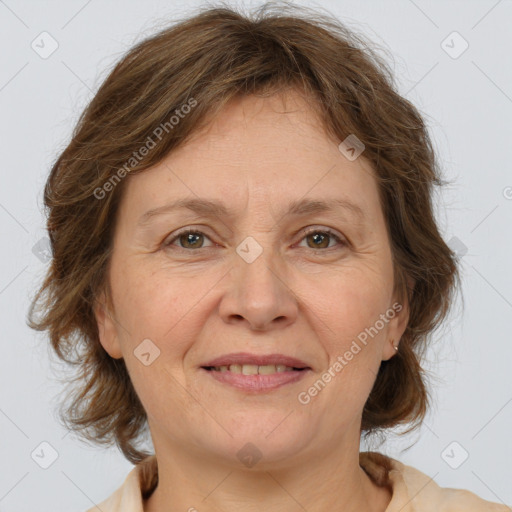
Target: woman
[244,243]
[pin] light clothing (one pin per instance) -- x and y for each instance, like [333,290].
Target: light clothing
[412,490]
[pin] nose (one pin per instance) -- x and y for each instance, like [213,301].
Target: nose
[259,294]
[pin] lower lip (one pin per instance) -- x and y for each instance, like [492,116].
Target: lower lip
[257,383]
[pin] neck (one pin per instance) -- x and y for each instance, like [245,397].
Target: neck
[332,481]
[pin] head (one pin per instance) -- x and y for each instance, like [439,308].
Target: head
[252,112]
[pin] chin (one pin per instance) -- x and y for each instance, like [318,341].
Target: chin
[262,441]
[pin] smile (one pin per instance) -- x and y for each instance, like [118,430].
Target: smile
[255,378]
[254,369]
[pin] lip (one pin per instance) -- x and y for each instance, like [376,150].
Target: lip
[257,383]
[260,360]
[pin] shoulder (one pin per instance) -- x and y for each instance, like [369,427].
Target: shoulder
[138,484]
[414,491]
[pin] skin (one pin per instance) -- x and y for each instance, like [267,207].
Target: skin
[200,300]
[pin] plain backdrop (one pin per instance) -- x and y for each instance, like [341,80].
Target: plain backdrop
[451,59]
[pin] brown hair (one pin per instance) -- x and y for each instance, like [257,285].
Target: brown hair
[205,60]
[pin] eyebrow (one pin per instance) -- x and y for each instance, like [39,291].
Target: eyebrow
[214,208]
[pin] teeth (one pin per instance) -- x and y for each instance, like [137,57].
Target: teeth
[267,369]
[253,369]
[250,369]
[235,368]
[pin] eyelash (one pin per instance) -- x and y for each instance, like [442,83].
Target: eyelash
[188,231]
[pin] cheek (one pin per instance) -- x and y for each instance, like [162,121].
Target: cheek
[350,299]
[151,306]
[349,306]
[346,316]
[151,303]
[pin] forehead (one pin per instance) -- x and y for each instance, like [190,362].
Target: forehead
[250,122]
[270,149]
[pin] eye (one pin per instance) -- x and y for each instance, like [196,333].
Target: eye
[188,238]
[320,237]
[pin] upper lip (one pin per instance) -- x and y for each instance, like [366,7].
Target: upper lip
[260,360]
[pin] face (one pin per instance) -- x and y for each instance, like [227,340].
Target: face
[260,278]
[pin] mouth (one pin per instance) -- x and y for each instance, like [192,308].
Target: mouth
[254,369]
[247,362]
[255,373]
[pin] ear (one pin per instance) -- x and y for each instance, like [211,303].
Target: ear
[107,327]
[398,323]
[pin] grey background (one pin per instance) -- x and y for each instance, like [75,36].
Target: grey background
[467,102]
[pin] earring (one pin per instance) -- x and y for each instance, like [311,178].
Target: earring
[394,346]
